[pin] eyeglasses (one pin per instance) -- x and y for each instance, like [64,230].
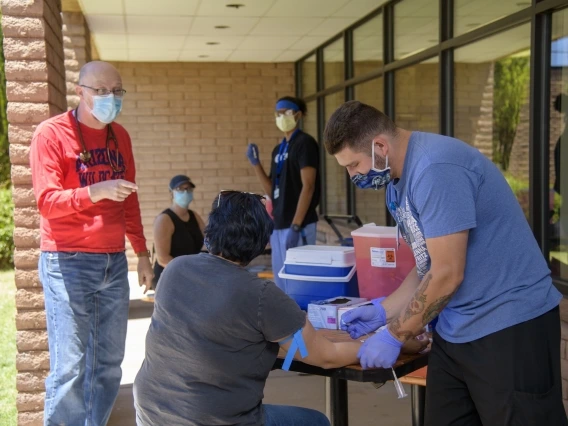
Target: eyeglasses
[231,191]
[288,113]
[102,91]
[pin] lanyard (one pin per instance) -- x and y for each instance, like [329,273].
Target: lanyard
[281,153]
[284,145]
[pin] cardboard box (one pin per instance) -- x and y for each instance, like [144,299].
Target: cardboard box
[324,313]
[344,309]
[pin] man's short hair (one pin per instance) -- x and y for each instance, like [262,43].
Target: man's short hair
[239,227]
[354,125]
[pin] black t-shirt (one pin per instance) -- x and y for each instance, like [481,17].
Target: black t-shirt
[186,239]
[303,151]
[209,346]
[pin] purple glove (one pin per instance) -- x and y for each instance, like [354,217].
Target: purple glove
[364,319]
[292,238]
[252,154]
[380,351]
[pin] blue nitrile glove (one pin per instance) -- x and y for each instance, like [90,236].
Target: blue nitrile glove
[364,319]
[252,154]
[292,238]
[380,351]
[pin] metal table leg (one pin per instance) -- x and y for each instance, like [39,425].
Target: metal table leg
[338,401]
[418,401]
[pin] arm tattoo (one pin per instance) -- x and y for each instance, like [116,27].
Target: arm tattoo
[418,301]
[402,335]
[436,307]
[417,306]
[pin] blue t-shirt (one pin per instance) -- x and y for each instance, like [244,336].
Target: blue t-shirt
[446,187]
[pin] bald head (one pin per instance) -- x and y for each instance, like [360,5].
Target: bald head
[99,73]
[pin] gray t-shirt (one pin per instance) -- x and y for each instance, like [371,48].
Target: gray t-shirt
[208,349]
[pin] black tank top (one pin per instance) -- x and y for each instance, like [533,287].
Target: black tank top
[186,239]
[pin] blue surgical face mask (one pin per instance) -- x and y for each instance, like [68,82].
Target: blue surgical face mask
[183,198]
[106,108]
[376,178]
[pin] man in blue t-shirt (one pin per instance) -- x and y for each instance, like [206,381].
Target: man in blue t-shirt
[495,358]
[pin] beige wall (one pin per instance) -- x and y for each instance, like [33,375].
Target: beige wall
[197,119]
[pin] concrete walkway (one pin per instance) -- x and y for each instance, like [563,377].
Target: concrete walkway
[367,406]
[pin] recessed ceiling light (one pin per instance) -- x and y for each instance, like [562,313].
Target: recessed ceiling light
[221,27]
[235,5]
[212,43]
[203,56]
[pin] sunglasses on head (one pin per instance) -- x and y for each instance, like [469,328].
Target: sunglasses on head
[230,191]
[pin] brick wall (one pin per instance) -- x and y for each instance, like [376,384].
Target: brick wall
[77,50]
[35,74]
[197,119]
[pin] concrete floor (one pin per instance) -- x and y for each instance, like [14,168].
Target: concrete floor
[367,406]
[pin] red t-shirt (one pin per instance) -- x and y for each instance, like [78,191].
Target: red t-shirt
[69,219]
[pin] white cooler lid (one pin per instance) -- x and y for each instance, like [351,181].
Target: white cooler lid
[321,255]
[375,231]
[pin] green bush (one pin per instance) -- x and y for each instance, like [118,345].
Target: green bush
[6,229]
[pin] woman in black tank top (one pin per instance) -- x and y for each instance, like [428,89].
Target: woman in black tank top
[178,231]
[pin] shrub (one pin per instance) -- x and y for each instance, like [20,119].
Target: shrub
[6,229]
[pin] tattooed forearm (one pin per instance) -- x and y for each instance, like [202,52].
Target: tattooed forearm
[436,307]
[418,307]
[418,302]
[403,335]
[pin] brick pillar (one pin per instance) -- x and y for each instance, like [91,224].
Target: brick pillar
[77,49]
[35,75]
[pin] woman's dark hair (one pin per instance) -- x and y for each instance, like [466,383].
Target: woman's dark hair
[300,102]
[239,227]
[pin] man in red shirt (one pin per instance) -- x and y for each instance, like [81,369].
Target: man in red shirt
[84,181]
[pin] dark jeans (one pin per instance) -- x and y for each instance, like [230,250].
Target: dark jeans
[286,415]
[511,377]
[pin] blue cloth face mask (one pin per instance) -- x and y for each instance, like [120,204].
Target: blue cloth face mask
[106,108]
[376,178]
[183,198]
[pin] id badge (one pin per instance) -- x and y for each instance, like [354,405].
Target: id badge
[276,192]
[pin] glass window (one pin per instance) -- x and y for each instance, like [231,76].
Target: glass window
[472,14]
[558,229]
[370,205]
[492,79]
[415,26]
[333,67]
[309,76]
[416,97]
[335,175]
[368,46]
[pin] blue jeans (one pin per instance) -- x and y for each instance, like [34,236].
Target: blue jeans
[285,415]
[278,247]
[86,302]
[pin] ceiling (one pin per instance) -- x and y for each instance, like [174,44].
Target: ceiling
[180,30]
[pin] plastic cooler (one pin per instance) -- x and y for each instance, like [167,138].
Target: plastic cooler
[319,272]
[383,260]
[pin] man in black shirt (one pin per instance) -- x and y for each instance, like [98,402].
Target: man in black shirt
[293,183]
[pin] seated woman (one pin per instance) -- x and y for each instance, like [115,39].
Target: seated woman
[178,230]
[215,330]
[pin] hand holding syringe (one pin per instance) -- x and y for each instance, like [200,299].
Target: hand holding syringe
[397,384]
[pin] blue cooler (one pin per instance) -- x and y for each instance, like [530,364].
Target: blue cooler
[319,272]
